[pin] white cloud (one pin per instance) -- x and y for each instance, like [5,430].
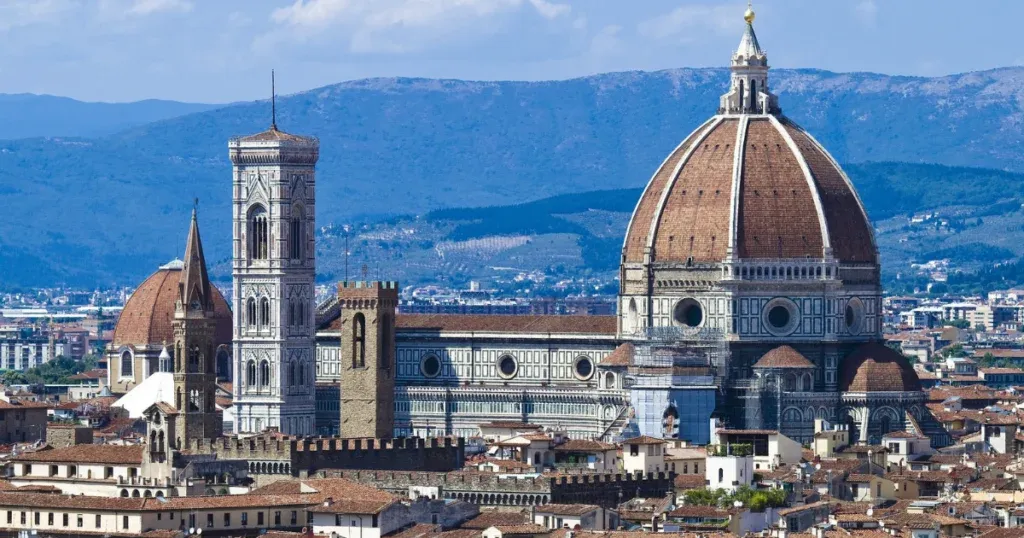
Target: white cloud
[148,7]
[17,13]
[607,41]
[683,21]
[867,12]
[393,26]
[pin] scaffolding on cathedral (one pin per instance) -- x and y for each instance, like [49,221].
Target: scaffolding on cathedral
[674,380]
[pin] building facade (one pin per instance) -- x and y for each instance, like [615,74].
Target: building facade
[273,268]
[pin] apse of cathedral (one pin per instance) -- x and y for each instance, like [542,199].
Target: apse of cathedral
[750,296]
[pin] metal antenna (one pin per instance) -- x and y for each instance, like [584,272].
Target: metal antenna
[273,102]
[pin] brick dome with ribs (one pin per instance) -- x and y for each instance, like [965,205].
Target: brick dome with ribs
[147,317]
[749,184]
[875,367]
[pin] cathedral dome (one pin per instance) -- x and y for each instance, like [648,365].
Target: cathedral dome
[749,184]
[875,367]
[148,316]
[783,357]
[756,187]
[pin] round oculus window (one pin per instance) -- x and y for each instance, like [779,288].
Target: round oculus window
[779,317]
[507,366]
[854,315]
[430,366]
[688,312]
[584,368]
[851,316]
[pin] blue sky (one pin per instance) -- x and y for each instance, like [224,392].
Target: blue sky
[222,50]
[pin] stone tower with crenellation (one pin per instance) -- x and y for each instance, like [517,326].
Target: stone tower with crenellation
[368,358]
[195,374]
[274,266]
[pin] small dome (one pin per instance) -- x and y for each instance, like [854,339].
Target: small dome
[148,316]
[783,357]
[875,367]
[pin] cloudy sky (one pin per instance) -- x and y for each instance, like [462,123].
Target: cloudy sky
[223,50]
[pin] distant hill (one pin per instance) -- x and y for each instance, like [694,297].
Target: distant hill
[26,115]
[108,209]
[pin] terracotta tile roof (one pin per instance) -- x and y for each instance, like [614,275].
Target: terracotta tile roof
[1003,532]
[874,367]
[418,530]
[622,356]
[351,506]
[495,518]
[596,325]
[643,440]
[796,509]
[860,478]
[689,481]
[783,357]
[99,454]
[584,445]
[698,204]
[23,404]
[567,509]
[148,314]
[84,502]
[850,233]
[525,529]
[647,206]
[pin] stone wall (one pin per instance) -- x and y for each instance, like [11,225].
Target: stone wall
[62,435]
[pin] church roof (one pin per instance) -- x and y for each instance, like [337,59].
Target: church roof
[275,135]
[194,283]
[783,357]
[875,367]
[155,389]
[622,356]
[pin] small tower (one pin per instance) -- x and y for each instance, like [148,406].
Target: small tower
[195,377]
[748,87]
[368,358]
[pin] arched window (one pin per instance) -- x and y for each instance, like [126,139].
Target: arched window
[127,364]
[264,313]
[359,341]
[291,313]
[721,475]
[301,313]
[195,358]
[250,374]
[250,311]
[297,237]
[160,442]
[258,233]
[753,95]
[301,378]
[264,374]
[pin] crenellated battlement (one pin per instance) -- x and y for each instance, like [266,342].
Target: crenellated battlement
[492,489]
[308,455]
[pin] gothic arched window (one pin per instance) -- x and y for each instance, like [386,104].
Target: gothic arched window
[250,311]
[264,313]
[250,374]
[291,313]
[297,237]
[259,231]
[264,374]
[359,341]
[301,313]
[127,364]
[301,378]
[195,358]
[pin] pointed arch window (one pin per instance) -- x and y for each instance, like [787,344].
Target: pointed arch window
[250,374]
[264,374]
[301,379]
[259,232]
[359,340]
[250,312]
[264,313]
[297,236]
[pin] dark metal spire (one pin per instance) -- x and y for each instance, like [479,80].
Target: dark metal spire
[273,102]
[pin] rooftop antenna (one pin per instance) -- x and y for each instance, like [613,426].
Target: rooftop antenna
[273,102]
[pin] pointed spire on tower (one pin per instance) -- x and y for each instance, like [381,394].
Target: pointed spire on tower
[194,283]
[749,47]
[273,102]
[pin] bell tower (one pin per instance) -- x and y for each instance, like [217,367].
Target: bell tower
[368,358]
[274,263]
[195,377]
